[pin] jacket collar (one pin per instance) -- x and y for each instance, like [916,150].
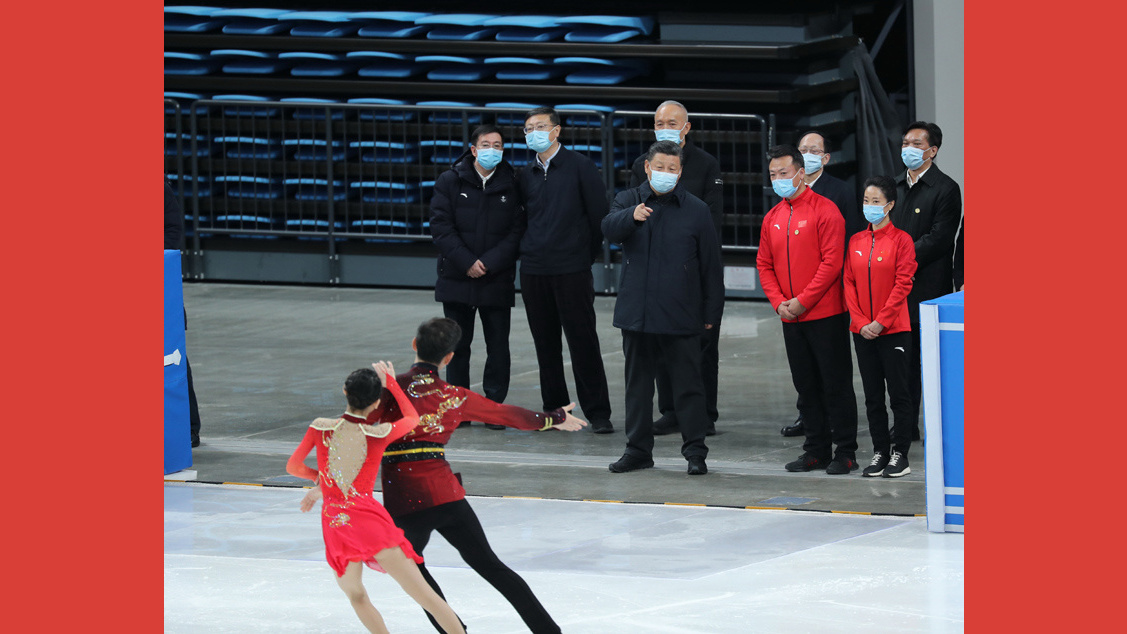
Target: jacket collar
[422,367]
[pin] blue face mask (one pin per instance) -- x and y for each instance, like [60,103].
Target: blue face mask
[538,140]
[913,157]
[662,182]
[813,162]
[874,213]
[488,157]
[669,135]
[784,187]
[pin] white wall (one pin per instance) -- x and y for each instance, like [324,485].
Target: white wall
[938,26]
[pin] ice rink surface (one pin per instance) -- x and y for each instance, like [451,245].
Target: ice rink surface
[244,559]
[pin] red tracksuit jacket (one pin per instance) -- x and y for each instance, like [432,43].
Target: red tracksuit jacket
[879,266]
[800,255]
[415,485]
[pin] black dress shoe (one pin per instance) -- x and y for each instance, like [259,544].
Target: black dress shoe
[697,466]
[794,429]
[711,430]
[630,463]
[195,440]
[602,426]
[667,424]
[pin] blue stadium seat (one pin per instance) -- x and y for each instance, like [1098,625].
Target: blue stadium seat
[385,65]
[242,110]
[259,187]
[518,154]
[248,147]
[185,100]
[243,62]
[386,192]
[511,118]
[386,151]
[203,144]
[444,151]
[321,23]
[192,19]
[383,115]
[312,225]
[393,24]
[452,68]
[203,185]
[189,64]
[605,29]
[314,112]
[308,64]
[451,116]
[597,71]
[586,120]
[315,189]
[527,28]
[254,21]
[458,26]
[595,153]
[240,221]
[521,69]
[316,149]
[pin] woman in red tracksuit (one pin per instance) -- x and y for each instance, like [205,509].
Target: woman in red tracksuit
[879,264]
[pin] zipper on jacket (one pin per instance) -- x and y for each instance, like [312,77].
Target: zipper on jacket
[872,247]
[790,275]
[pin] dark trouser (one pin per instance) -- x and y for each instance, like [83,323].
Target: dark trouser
[458,524]
[193,406]
[710,373]
[914,379]
[566,303]
[885,360]
[679,355]
[822,370]
[495,322]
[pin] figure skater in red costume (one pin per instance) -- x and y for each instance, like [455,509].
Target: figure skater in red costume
[356,528]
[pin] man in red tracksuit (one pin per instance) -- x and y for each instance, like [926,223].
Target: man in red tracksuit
[801,251]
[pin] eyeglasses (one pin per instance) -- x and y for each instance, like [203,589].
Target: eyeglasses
[539,128]
[810,150]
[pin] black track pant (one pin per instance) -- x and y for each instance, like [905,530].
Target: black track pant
[822,370]
[885,361]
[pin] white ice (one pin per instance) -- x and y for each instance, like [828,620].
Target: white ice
[244,559]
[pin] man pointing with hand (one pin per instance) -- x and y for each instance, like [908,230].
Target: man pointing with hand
[670,292]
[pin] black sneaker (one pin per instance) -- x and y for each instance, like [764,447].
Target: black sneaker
[841,465]
[630,463]
[601,426]
[806,462]
[897,466]
[697,466]
[665,425]
[876,467]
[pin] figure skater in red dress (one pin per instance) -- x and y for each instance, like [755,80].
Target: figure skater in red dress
[356,528]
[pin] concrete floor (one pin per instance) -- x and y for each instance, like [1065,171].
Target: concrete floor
[268,359]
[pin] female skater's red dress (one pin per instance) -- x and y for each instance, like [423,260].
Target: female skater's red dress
[355,526]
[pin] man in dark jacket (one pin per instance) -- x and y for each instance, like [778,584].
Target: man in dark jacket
[672,289]
[477,221]
[815,150]
[565,199]
[930,208]
[700,176]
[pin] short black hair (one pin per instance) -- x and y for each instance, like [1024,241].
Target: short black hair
[934,134]
[779,151]
[553,116]
[885,184]
[663,147]
[825,139]
[484,129]
[362,388]
[437,338]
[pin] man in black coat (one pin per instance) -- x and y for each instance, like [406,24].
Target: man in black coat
[929,206]
[477,221]
[815,151]
[565,199]
[700,176]
[671,290]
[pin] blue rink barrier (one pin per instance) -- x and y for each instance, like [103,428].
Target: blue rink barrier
[941,355]
[177,432]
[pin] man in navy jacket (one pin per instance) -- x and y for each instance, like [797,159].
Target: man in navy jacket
[477,221]
[565,200]
[671,291]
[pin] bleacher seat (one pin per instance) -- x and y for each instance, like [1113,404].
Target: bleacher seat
[203,145]
[310,64]
[386,151]
[261,187]
[321,23]
[511,118]
[176,63]
[315,189]
[254,21]
[316,149]
[247,147]
[242,110]
[527,28]
[598,71]
[521,69]
[605,29]
[383,115]
[444,151]
[184,99]
[586,120]
[190,19]
[243,62]
[452,68]
[203,185]
[458,26]
[451,116]
[243,221]
[396,24]
[385,65]
[314,113]
[386,191]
